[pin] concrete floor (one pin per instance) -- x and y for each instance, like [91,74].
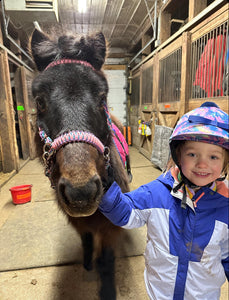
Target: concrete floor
[40,256]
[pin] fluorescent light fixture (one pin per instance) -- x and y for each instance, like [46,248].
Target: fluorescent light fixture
[82,6]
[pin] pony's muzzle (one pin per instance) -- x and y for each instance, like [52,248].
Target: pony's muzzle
[80,196]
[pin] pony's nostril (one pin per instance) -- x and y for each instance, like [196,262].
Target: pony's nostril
[79,196]
[68,193]
[61,187]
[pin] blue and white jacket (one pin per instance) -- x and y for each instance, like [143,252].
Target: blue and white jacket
[187,251]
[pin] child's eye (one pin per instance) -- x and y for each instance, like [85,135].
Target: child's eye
[214,157]
[191,154]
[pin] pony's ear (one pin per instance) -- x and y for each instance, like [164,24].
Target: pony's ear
[43,49]
[97,44]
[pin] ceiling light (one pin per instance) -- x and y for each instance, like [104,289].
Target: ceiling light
[82,6]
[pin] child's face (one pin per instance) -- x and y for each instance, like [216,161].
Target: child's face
[201,163]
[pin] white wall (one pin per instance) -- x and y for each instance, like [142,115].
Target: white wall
[117,93]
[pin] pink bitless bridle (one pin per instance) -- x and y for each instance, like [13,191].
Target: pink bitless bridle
[72,136]
[51,147]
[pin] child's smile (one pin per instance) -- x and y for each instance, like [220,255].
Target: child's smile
[201,163]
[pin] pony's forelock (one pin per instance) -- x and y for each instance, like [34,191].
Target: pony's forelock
[90,48]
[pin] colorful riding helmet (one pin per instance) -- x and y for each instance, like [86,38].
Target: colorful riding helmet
[207,123]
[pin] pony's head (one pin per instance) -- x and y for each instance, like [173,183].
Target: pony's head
[71,93]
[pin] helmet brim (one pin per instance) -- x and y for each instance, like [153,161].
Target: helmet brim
[201,133]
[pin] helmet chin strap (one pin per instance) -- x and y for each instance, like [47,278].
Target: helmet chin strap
[186,182]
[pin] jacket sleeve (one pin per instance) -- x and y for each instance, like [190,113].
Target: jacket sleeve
[125,210]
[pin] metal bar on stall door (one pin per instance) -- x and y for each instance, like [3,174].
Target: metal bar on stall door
[226,71]
[159,84]
[223,60]
[194,66]
[176,74]
[180,65]
[211,38]
[214,64]
[169,92]
[217,55]
[192,91]
[171,82]
[204,82]
[162,80]
[198,52]
[199,66]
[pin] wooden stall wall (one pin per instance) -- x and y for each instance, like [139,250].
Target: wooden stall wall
[9,150]
[17,110]
[169,87]
[145,122]
[209,65]
[191,67]
[26,110]
[133,106]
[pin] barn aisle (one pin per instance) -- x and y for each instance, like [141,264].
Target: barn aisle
[40,254]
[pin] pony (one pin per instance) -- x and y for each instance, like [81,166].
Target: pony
[79,152]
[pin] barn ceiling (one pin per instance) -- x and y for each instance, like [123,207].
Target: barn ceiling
[123,22]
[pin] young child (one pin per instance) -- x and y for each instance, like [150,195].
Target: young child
[186,211]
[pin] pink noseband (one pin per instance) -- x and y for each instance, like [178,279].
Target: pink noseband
[72,136]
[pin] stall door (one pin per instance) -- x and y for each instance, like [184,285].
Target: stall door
[21,122]
[26,112]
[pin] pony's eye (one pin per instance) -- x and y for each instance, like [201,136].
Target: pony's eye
[41,105]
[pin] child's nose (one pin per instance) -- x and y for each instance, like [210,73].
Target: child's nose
[202,162]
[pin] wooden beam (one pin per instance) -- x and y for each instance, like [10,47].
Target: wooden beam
[10,157]
[165,26]
[22,114]
[217,4]
[195,7]
[31,111]
[114,67]
[145,39]
[161,119]
[220,101]
[185,72]
[175,119]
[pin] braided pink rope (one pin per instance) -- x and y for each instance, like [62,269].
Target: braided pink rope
[109,122]
[69,61]
[78,136]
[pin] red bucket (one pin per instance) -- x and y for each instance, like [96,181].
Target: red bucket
[21,193]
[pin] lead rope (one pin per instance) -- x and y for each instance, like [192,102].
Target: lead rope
[109,168]
[109,122]
[48,156]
